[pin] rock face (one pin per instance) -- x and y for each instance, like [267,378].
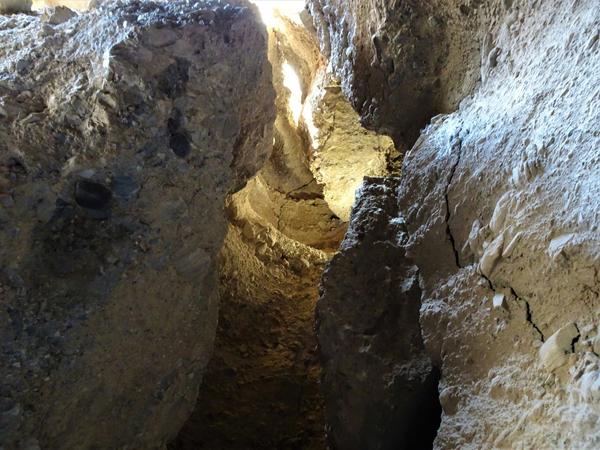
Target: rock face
[500,205]
[379,384]
[399,62]
[342,151]
[261,388]
[122,132]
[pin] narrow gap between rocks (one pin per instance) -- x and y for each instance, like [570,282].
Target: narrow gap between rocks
[261,388]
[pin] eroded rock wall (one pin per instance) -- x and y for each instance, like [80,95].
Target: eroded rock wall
[400,62]
[261,387]
[499,200]
[380,386]
[342,152]
[122,132]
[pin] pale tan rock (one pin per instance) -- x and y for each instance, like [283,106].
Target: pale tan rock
[499,301]
[491,255]
[555,351]
[58,15]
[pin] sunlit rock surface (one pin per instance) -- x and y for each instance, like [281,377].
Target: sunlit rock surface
[342,152]
[122,131]
[261,388]
[500,206]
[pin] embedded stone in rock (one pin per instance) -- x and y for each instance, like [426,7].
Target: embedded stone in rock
[180,144]
[92,195]
[555,351]
[499,301]
[58,15]
[107,326]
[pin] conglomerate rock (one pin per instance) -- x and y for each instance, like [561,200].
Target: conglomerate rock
[500,204]
[122,132]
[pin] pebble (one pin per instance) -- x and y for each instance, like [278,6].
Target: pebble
[555,351]
[90,194]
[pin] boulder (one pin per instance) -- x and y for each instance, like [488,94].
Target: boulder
[122,132]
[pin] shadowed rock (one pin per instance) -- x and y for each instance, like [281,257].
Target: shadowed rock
[107,325]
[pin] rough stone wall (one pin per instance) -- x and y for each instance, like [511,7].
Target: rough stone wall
[500,204]
[261,386]
[122,132]
[379,384]
[400,62]
[342,151]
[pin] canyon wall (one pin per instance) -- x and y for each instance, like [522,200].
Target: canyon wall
[496,214]
[400,62]
[122,133]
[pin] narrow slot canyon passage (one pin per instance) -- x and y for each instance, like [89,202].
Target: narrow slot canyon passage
[261,388]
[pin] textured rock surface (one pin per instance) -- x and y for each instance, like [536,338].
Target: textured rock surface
[500,203]
[261,387]
[122,131]
[342,152]
[379,384]
[400,62]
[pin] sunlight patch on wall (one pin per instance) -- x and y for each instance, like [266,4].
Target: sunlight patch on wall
[271,10]
[292,83]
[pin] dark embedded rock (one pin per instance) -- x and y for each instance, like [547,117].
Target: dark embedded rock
[175,77]
[125,187]
[92,195]
[180,144]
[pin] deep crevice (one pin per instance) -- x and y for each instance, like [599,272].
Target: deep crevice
[456,147]
[575,339]
[428,417]
[529,315]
